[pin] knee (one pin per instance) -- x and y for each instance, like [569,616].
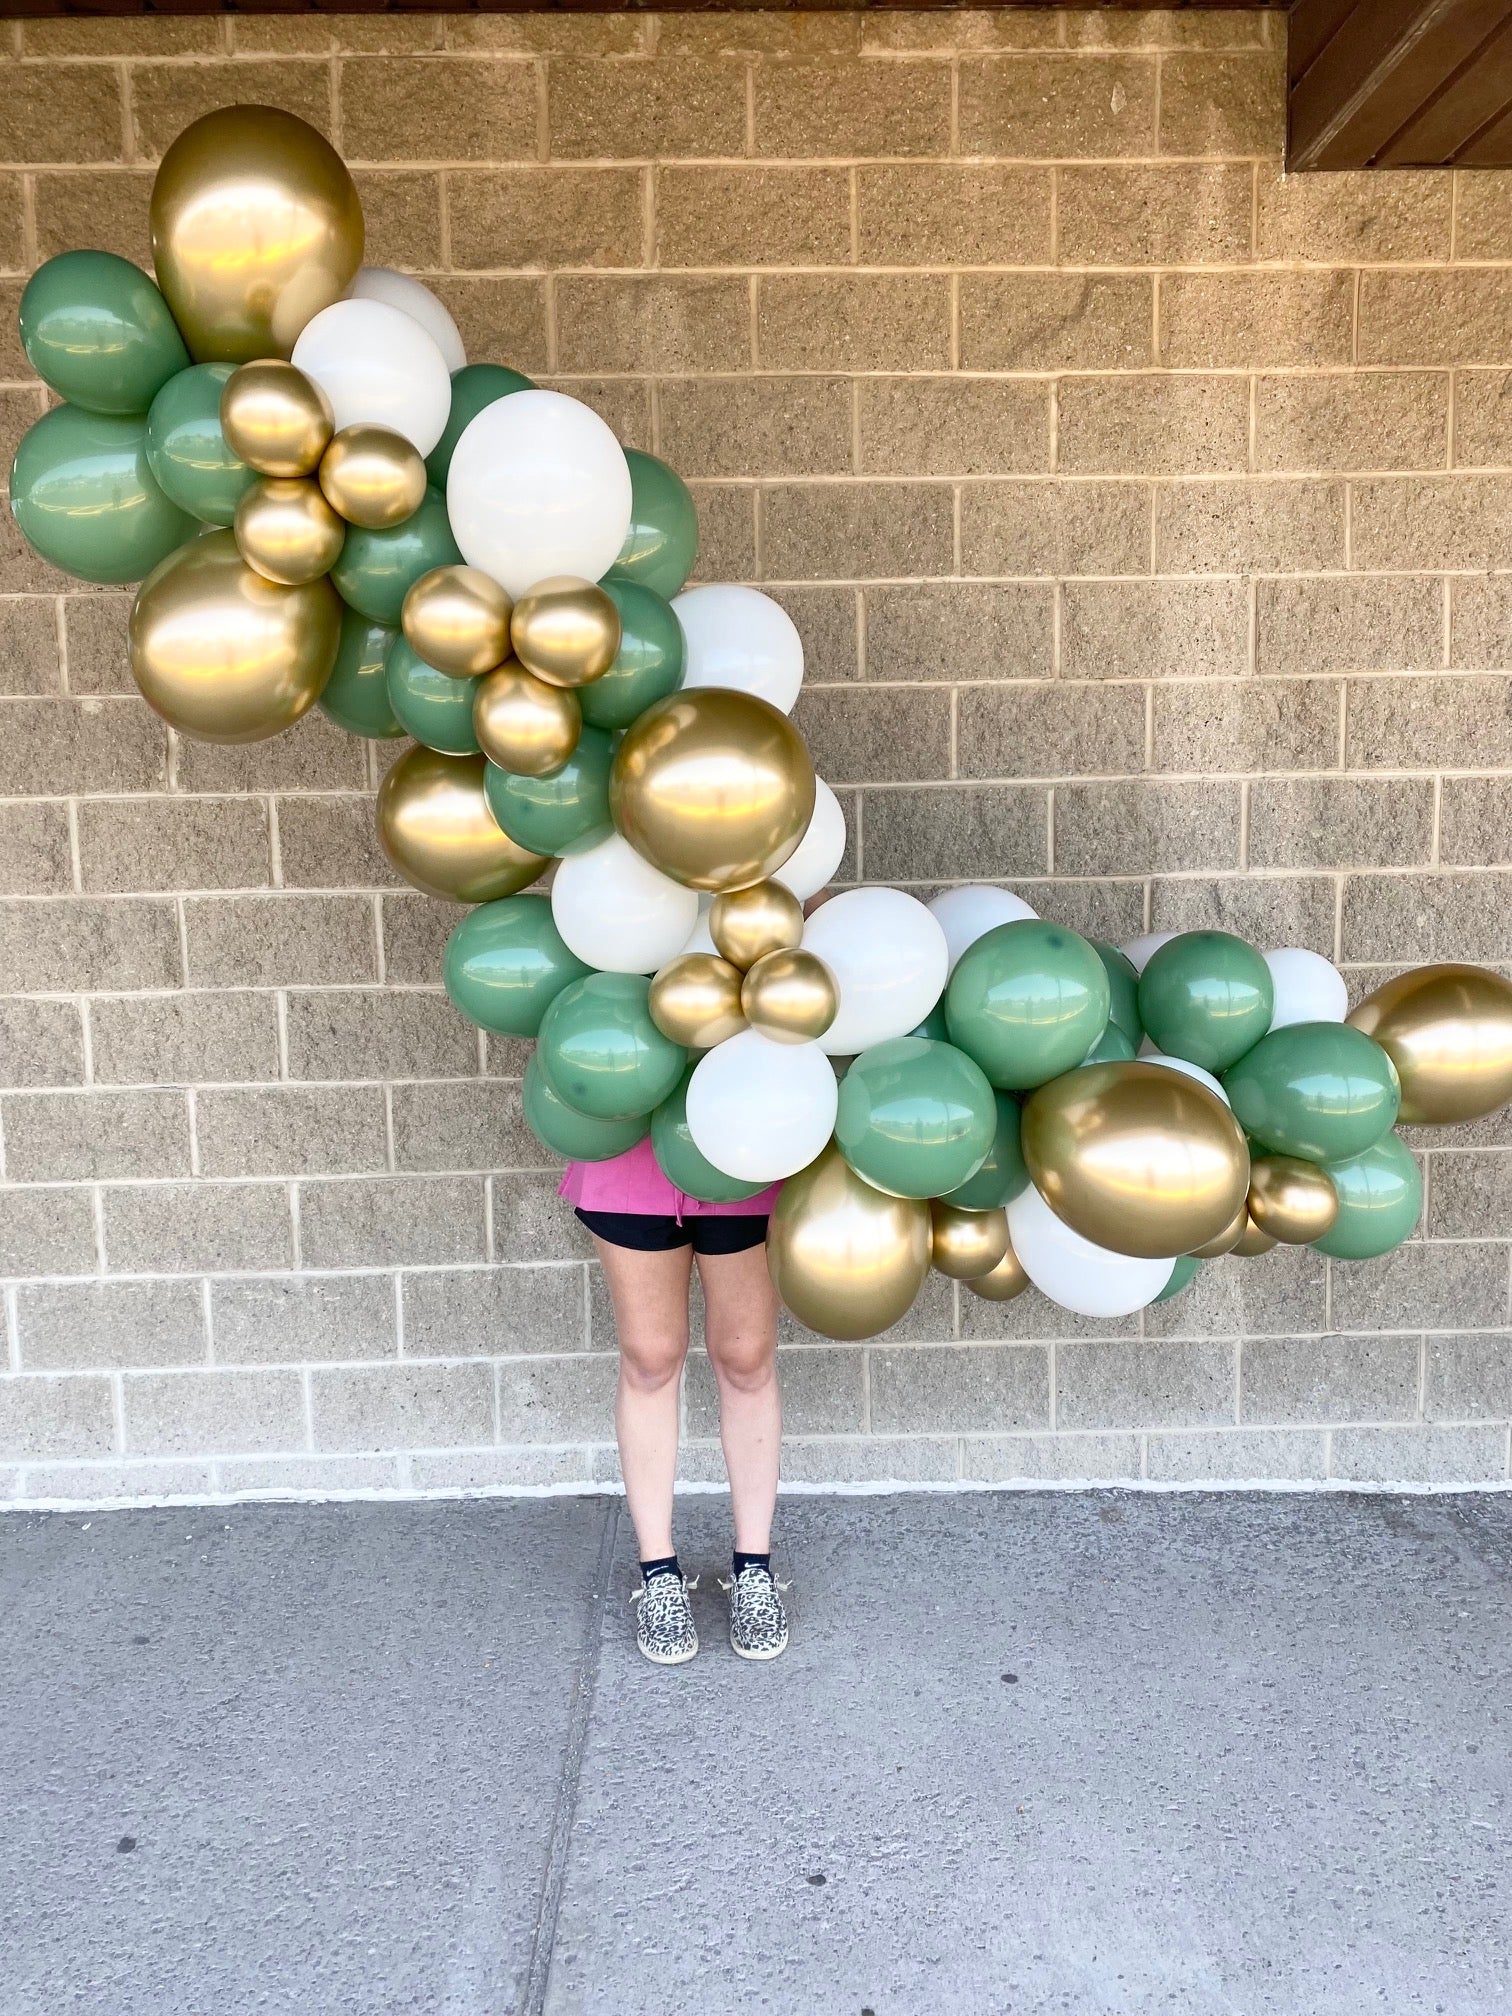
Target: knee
[649,1364]
[745,1362]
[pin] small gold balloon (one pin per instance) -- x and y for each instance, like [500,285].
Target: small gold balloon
[287,531]
[438,833]
[1448,1031]
[695,1001]
[1226,1240]
[847,1260]
[225,655]
[1252,1242]
[278,421]
[1005,1280]
[713,787]
[746,924]
[524,725]
[566,631]
[1290,1200]
[372,476]
[457,619]
[967,1244]
[790,996]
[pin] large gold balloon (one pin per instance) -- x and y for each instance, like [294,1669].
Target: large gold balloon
[278,421]
[372,476]
[967,1244]
[457,619]
[225,655]
[1290,1200]
[287,530]
[790,996]
[1003,1283]
[713,787]
[1136,1158]
[847,1260]
[746,924]
[256,227]
[1252,1242]
[438,833]
[524,725]
[566,631]
[1448,1031]
[695,1001]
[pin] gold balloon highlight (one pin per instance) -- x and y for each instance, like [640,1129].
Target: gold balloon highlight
[713,787]
[1448,1031]
[225,655]
[746,924]
[372,476]
[287,530]
[1136,1158]
[256,227]
[695,1001]
[438,833]
[566,631]
[524,725]
[1291,1201]
[790,996]
[847,1260]
[278,421]
[457,619]
[1003,1283]
[1252,1242]
[967,1244]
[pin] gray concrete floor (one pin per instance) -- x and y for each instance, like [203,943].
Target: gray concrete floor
[1028,1753]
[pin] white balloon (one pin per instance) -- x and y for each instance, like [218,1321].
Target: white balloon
[617,912]
[970,912]
[1309,988]
[1140,951]
[700,938]
[890,963]
[1084,1278]
[818,853]
[401,291]
[375,363]
[1151,1055]
[538,486]
[760,1110]
[741,638]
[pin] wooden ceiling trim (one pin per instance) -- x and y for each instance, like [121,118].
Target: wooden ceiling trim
[1397,83]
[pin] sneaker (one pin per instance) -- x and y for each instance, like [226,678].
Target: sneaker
[758,1622]
[664,1631]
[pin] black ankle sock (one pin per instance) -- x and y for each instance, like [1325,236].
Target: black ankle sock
[665,1565]
[751,1561]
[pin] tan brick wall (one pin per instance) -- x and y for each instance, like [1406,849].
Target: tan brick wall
[1144,514]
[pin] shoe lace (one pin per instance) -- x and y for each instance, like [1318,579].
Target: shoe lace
[758,1593]
[663,1601]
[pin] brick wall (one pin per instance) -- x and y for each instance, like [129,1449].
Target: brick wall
[1142,513]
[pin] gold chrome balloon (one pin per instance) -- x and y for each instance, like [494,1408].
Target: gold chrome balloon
[287,531]
[847,1260]
[967,1244]
[695,1001]
[372,476]
[713,787]
[524,725]
[1136,1158]
[278,421]
[1005,1280]
[1226,1240]
[457,619]
[1252,1242]
[256,227]
[790,996]
[1448,1031]
[746,924]
[225,655]
[1290,1200]
[566,631]
[437,831]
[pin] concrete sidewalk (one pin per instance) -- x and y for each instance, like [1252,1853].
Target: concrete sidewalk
[1028,1753]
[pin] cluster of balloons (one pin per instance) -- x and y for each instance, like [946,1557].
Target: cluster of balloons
[331,506]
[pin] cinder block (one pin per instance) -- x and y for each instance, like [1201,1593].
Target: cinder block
[331,842]
[1422,1455]
[409,1221]
[645,108]
[345,1033]
[281,940]
[757,426]
[1475,816]
[738,216]
[547,34]
[401,214]
[134,1481]
[32,667]
[1470,1196]
[167,97]
[956,1389]
[498,316]
[174,843]
[106,210]
[30,128]
[856,531]
[1056,322]
[183,1039]
[415,931]
[960,630]
[822,1392]
[1218,527]
[398,108]
[870,1459]
[1376,420]
[1265,909]
[122,37]
[853,322]
[498,1469]
[197,1228]
[952,426]
[1100,909]
[99,1325]
[827,622]
[402,1406]
[1247,725]
[284,1474]
[1055,528]
[34,850]
[1139,828]
[41,1043]
[820,109]
[94,630]
[209,1413]
[477,1125]
[1059,729]
[1480,620]
[1237,1456]
[303,1317]
[726,531]
[495,1311]
[1166,214]
[1226,320]
[1328,1379]
[547,217]
[47,1231]
[1144,1383]
[314,755]
[957,834]
[1423,521]
[1136,425]
[1340,822]
[1375,217]
[1015,1459]
[292,1130]
[1057,106]
[556,1399]
[1408,919]
[60,1137]
[1482,428]
[1232,103]
[87,745]
[1461,316]
[1032,1318]
[56,1417]
[876,734]
[531,1223]
[1153,629]
[1349,623]
[656,323]
[1415,722]
[948,213]
[1468,1378]
[1422,1287]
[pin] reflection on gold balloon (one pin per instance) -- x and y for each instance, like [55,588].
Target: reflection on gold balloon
[746,924]
[790,996]
[256,227]
[438,833]
[1448,1031]
[847,1260]
[225,655]
[713,787]
[1004,1281]
[1226,1240]
[287,531]
[457,619]
[967,1244]
[278,421]
[1136,1158]
[1252,1242]
[524,725]
[372,476]
[1290,1200]
[695,1001]
[566,631]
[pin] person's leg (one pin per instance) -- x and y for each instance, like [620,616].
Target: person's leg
[650,1296]
[740,1328]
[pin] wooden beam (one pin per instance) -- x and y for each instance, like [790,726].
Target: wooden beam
[1398,83]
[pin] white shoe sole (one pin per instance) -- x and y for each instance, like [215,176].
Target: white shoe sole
[666,1658]
[741,1652]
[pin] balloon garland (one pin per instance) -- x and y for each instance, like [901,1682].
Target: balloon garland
[332,507]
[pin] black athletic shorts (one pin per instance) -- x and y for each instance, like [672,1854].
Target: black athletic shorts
[647,1232]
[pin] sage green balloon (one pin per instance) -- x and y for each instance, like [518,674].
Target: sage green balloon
[563,812]
[915,1118]
[662,542]
[505,963]
[432,706]
[187,448]
[1206,996]
[377,569]
[649,663]
[1112,1047]
[933,1025]
[1003,1174]
[1380,1201]
[684,1167]
[1027,1001]
[1320,1090]
[356,694]
[563,1130]
[1123,990]
[1183,1274]
[601,1051]
[83,493]
[472,388]
[97,330]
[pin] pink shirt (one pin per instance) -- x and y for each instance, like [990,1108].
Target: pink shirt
[633,1183]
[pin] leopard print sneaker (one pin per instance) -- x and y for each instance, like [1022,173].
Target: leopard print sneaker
[664,1630]
[758,1622]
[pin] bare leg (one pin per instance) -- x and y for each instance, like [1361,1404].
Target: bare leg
[650,1296]
[740,1326]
